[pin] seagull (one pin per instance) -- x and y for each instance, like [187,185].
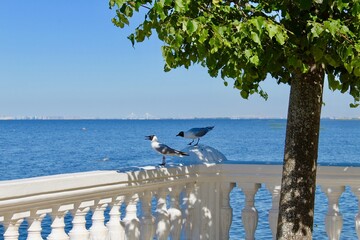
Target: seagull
[164,149]
[195,133]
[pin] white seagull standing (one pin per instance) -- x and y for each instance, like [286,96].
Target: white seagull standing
[164,149]
[195,133]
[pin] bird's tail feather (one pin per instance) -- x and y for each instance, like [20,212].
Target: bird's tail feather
[181,154]
[210,128]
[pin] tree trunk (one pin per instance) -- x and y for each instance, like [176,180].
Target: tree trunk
[296,210]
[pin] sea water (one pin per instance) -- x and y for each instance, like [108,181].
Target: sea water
[30,148]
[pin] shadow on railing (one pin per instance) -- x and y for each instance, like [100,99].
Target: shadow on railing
[178,202]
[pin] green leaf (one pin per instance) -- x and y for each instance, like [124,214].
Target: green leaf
[348,67]
[255,60]
[119,3]
[332,26]
[293,61]
[139,35]
[244,94]
[333,84]
[271,29]
[258,22]
[317,52]
[280,37]
[354,105]
[191,26]
[316,30]
[248,53]
[131,37]
[255,37]
[341,5]
[331,60]
[179,6]
[357,71]
[264,95]
[203,35]
[304,68]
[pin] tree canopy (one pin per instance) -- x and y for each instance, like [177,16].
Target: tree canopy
[247,40]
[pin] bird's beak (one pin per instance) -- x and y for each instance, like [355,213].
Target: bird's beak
[147,137]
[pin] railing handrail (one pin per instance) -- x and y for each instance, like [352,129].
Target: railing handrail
[87,184]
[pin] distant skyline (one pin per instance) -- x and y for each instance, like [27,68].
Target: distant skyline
[66,59]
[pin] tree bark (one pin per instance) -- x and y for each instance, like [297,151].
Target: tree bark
[296,209]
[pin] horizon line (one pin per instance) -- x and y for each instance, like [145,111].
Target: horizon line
[165,118]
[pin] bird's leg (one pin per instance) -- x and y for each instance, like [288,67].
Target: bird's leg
[163,161]
[197,142]
[191,142]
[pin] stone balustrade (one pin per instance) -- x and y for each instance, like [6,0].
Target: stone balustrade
[179,202]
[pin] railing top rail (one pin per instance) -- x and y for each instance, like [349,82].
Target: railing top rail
[33,192]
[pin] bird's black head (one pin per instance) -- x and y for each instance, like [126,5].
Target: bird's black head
[180,134]
[149,137]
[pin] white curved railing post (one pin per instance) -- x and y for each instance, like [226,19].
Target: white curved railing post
[116,230]
[249,213]
[98,230]
[274,211]
[356,191]
[79,231]
[333,219]
[58,224]
[147,221]
[175,215]
[206,210]
[225,209]
[34,230]
[11,227]
[131,221]
[162,216]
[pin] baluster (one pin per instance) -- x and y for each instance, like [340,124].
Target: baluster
[34,230]
[204,217]
[58,225]
[147,221]
[214,206]
[196,217]
[274,211]
[116,230]
[131,221]
[162,216]
[189,210]
[356,191]
[333,220]
[98,230]
[249,213]
[174,211]
[79,231]
[225,210]
[11,227]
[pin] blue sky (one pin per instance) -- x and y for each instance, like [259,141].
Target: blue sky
[65,58]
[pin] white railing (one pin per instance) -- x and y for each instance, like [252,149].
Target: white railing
[183,202]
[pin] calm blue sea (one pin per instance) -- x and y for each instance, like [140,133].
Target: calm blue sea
[30,148]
